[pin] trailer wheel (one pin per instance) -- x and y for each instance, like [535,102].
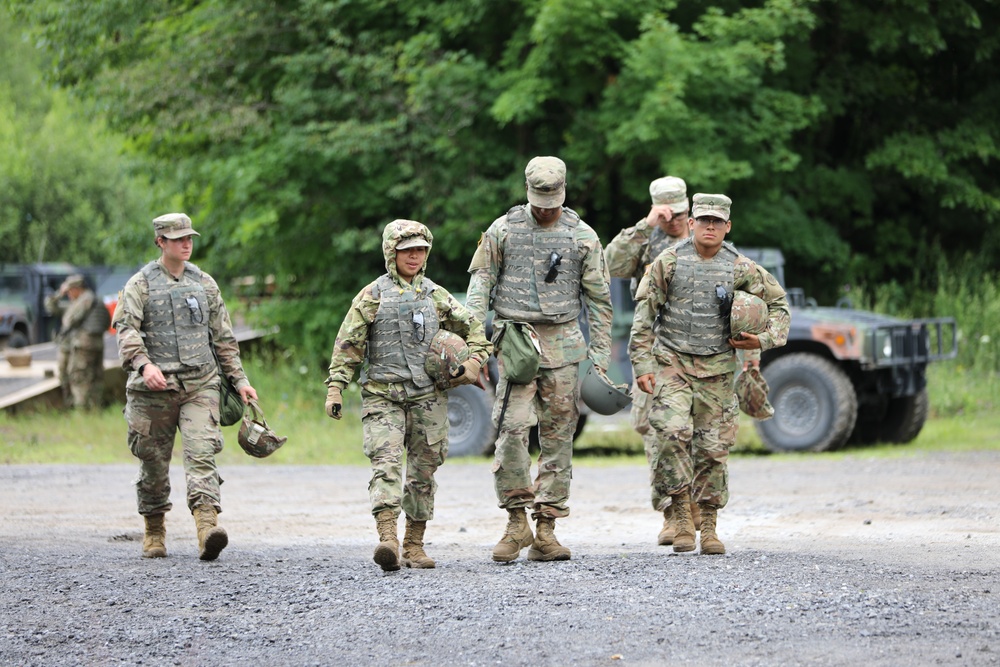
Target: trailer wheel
[815,405]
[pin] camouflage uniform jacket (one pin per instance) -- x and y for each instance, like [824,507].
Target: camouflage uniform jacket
[632,250]
[352,340]
[128,319]
[645,349]
[562,344]
[72,332]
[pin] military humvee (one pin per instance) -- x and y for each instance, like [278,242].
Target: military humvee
[847,375]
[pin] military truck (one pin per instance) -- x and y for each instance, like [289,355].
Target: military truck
[847,375]
[24,288]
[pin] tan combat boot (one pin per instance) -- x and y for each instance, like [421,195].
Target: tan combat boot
[666,536]
[154,543]
[517,536]
[387,551]
[711,545]
[413,545]
[683,523]
[546,546]
[696,515]
[211,538]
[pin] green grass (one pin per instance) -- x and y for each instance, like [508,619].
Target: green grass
[962,411]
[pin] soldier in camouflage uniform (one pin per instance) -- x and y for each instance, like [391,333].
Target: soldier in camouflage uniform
[683,355]
[541,263]
[391,324]
[169,317]
[81,342]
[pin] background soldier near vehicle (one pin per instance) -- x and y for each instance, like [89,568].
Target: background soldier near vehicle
[544,264]
[395,323]
[80,342]
[169,317]
[629,253]
[687,363]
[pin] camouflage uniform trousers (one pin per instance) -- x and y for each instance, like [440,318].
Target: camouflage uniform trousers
[552,396]
[417,427]
[62,369]
[639,420]
[85,375]
[153,418]
[696,421]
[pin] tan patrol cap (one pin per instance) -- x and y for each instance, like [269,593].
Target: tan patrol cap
[174,226]
[671,191]
[717,206]
[545,178]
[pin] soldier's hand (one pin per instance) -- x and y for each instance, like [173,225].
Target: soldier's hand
[470,374]
[248,394]
[484,378]
[334,403]
[747,341]
[153,377]
[659,213]
[646,382]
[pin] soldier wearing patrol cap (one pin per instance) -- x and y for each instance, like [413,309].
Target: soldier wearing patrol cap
[688,360]
[542,264]
[80,360]
[169,318]
[397,323]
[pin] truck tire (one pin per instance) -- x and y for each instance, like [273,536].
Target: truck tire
[815,405]
[17,339]
[470,421]
[904,418]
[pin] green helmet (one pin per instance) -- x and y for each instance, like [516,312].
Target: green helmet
[601,396]
[255,436]
[445,358]
[749,314]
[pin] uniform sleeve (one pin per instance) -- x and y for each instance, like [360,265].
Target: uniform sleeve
[53,305]
[77,312]
[755,279]
[352,339]
[624,252]
[223,338]
[650,298]
[128,323]
[485,269]
[459,320]
[595,284]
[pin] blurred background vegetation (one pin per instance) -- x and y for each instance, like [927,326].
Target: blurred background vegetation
[860,138]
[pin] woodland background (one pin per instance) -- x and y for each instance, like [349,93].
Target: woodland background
[860,137]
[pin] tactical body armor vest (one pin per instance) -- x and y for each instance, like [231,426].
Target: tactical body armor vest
[175,320]
[400,337]
[98,319]
[528,254]
[658,242]
[691,320]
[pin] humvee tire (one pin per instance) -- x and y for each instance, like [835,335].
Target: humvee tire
[470,421]
[905,418]
[815,405]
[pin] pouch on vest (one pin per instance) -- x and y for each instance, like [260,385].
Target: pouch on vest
[520,352]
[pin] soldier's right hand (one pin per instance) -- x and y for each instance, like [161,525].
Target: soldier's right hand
[646,382]
[153,377]
[658,212]
[334,403]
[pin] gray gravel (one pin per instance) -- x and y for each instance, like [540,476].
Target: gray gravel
[831,562]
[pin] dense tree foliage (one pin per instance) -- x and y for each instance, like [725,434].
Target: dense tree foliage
[66,189]
[855,139]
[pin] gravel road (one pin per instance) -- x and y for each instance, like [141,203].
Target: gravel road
[831,562]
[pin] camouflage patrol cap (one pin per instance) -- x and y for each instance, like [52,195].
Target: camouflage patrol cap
[445,358]
[671,191]
[717,206]
[748,314]
[751,391]
[173,226]
[75,280]
[545,178]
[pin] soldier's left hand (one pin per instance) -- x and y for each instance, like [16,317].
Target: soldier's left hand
[748,341]
[470,374]
[248,394]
